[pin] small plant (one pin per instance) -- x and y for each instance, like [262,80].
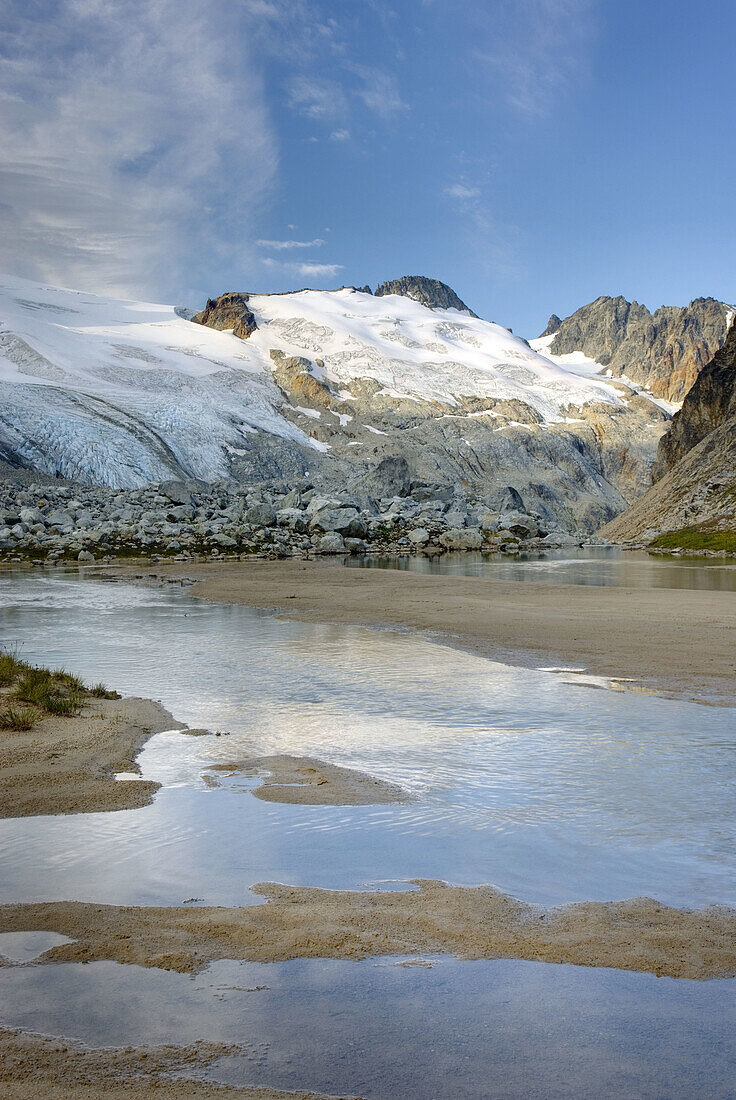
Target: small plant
[73,683]
[99,691]
[63,704]
[36,686]
[12,719]
[11,668]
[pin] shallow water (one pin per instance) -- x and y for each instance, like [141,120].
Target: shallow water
[382,1030]
[525,779]
[548,789]
[598,566]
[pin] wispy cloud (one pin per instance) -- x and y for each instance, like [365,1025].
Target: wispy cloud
[340,135]
[539,49]
[131,140]
[494,244]
[317,98]
[462,192]
[281,246]
[304,270]
[379,90]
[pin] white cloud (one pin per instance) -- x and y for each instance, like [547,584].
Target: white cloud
[317,98]
[280,246]
[380,91]
[462,191]
[340,135]
[304,270]
[132,139]
[316,271]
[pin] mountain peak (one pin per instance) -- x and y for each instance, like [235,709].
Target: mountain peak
[430,292]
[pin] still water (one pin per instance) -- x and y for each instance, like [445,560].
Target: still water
[599,566]
[538,783]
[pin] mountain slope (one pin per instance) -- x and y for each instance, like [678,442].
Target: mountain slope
[662,351]
[697,483]
[317,384]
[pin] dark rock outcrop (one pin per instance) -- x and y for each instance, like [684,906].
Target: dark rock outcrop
[552,325]
[695,474]
[229,311]
[430,292]
[710,402]
[664,350]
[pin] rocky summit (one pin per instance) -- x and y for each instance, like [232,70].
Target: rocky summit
[662,351]
[316,386]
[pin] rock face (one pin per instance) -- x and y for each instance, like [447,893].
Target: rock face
[663,351]
[696,467]
[430,292]
[379,397]
[710,402]
[229,311]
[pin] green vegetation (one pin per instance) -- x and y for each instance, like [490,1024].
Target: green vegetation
[12,719]
[698,537]
[44,691]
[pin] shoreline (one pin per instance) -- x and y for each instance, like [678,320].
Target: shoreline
[33,1064]
[622,634]
[67,765]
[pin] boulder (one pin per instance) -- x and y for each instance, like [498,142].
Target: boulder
[419,536]
[261,515]
[330,544]
[462,538]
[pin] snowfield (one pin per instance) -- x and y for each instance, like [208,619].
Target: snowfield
[123,393]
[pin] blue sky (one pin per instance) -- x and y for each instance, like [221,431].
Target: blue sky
[533,154]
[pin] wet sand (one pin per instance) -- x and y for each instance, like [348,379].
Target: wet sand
[305,781]
[59,1069]
[68,765]
[682,642]
[469,922]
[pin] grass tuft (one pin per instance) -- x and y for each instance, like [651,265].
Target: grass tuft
[697,537]
[99,691]
[14,719]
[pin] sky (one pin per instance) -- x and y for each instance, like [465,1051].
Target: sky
[533,154]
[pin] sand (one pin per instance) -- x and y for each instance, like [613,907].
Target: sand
[681,642]
[59,1069]
[305,781]
[470,922]
[68,765]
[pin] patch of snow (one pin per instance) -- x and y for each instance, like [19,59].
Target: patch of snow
[314,413]
[318,445]
[376,431]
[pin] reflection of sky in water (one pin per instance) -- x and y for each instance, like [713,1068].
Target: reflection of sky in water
[603,566]
[550,791]
[377,1029]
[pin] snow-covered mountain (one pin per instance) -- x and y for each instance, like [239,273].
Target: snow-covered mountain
[123,393]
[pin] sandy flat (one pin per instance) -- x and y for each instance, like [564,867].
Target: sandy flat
[476,922]
[68,765]
[33,1066]
[678,641]
[305,781]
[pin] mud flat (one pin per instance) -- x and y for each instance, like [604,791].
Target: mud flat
[59,1069]
[67,765]
[469,922]
[613,632]
[306,781]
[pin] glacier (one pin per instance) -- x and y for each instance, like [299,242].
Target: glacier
[121,394]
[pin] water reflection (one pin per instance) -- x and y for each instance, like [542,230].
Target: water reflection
[600,566]
[377,1029]
[551,791]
